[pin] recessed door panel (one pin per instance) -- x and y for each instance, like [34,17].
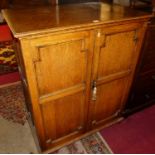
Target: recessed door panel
[61,66]
[116,55]
[64,117]
[108,100]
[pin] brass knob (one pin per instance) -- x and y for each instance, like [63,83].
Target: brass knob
[80,128]
[94,122]
[94,91]
[48,141]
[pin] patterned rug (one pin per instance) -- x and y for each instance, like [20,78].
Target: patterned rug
[92,144]
[8,61]
[12,103]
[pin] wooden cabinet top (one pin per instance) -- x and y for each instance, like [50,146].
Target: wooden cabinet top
[24,22]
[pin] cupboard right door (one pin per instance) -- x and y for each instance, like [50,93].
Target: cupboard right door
[116,52]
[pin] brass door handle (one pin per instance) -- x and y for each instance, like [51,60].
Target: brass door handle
[94,91]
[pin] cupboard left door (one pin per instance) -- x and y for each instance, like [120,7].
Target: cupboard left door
[58,75]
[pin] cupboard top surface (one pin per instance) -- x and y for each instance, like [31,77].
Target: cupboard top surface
[30,21]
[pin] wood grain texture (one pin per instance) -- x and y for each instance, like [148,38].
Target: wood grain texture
[66,17]
[114,63]
[60,70]
[67,53]
[3,4]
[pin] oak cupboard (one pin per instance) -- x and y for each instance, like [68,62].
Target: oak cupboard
[76,68]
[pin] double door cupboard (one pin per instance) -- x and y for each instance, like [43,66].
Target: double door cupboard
[76,69]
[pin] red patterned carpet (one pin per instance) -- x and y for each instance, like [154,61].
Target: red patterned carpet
[8,61]
[92,144]
[12,103]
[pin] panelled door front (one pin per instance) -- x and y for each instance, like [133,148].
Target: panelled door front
[61,71]
[114,62]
